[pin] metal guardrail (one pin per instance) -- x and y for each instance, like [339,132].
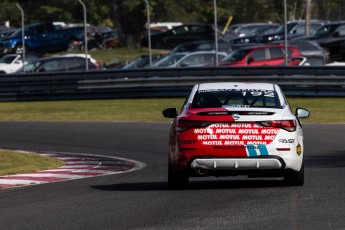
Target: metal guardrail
[176,82]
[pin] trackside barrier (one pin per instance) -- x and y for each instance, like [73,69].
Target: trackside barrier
[175,82]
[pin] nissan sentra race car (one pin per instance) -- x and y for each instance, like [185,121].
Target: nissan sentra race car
[230,129]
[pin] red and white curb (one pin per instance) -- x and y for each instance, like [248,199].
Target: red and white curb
[76,166]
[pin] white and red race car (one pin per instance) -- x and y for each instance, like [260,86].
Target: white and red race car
[232,128]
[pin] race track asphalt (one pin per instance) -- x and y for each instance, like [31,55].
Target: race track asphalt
[140,199]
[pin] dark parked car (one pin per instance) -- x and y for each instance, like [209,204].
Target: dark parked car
[294,29]
[66,63]
[247,29]
[7,32]
[40,38]
[141,62]
[252,36]
[331,37]
[180,34]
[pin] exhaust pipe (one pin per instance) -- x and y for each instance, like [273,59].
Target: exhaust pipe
[201,171]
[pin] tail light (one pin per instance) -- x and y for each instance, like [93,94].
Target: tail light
[183,125]
[288,125]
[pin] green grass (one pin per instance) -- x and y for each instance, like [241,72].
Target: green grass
[331,110]
[120,55]
[12,162]
[323,110]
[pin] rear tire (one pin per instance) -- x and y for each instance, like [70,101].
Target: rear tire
[177,179]
[295,178]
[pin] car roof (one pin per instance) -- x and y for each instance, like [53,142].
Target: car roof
[236,85]
[264,46]
[337,23]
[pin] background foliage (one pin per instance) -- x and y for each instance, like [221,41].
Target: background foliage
[129,16]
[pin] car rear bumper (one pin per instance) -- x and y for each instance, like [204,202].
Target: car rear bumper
[252,167]
[237,163]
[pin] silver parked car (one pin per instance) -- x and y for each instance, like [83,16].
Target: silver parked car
[193,59]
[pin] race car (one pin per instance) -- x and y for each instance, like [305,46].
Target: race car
[233,128]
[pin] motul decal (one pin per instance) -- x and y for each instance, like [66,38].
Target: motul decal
[241,139]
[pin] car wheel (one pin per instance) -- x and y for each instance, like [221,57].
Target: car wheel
[295,178]
[177,179]
[73,45]
[18,49]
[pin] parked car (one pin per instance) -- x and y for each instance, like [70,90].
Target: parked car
[331,37]
[252,36]
[142,62]
[234,128]
[6,32]
[246,29]
[312,51]
[206,45]
[40,37]
[10,63]
[180,34]
[294,29]
[193,59]
[64,63]
[108,39]
[268,55]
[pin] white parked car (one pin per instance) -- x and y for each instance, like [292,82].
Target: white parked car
[10,63]
[232,128]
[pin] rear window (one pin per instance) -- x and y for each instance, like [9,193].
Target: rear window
[236,98]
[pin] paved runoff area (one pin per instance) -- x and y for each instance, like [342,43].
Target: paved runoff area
[76,166]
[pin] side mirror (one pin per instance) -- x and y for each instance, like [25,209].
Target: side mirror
[302,113]
[250,60]
[170,113]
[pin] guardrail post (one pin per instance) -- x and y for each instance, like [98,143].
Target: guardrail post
[215,30]
[149,31]
[85,36]
[23,35]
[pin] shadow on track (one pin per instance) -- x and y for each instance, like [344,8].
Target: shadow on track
[328,160]
[193,185]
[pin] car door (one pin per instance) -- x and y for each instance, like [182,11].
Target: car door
[257,58]
[276,56]
[36,37]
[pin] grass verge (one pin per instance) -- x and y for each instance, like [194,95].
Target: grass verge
[119,55]
[12,162]
[323,110]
